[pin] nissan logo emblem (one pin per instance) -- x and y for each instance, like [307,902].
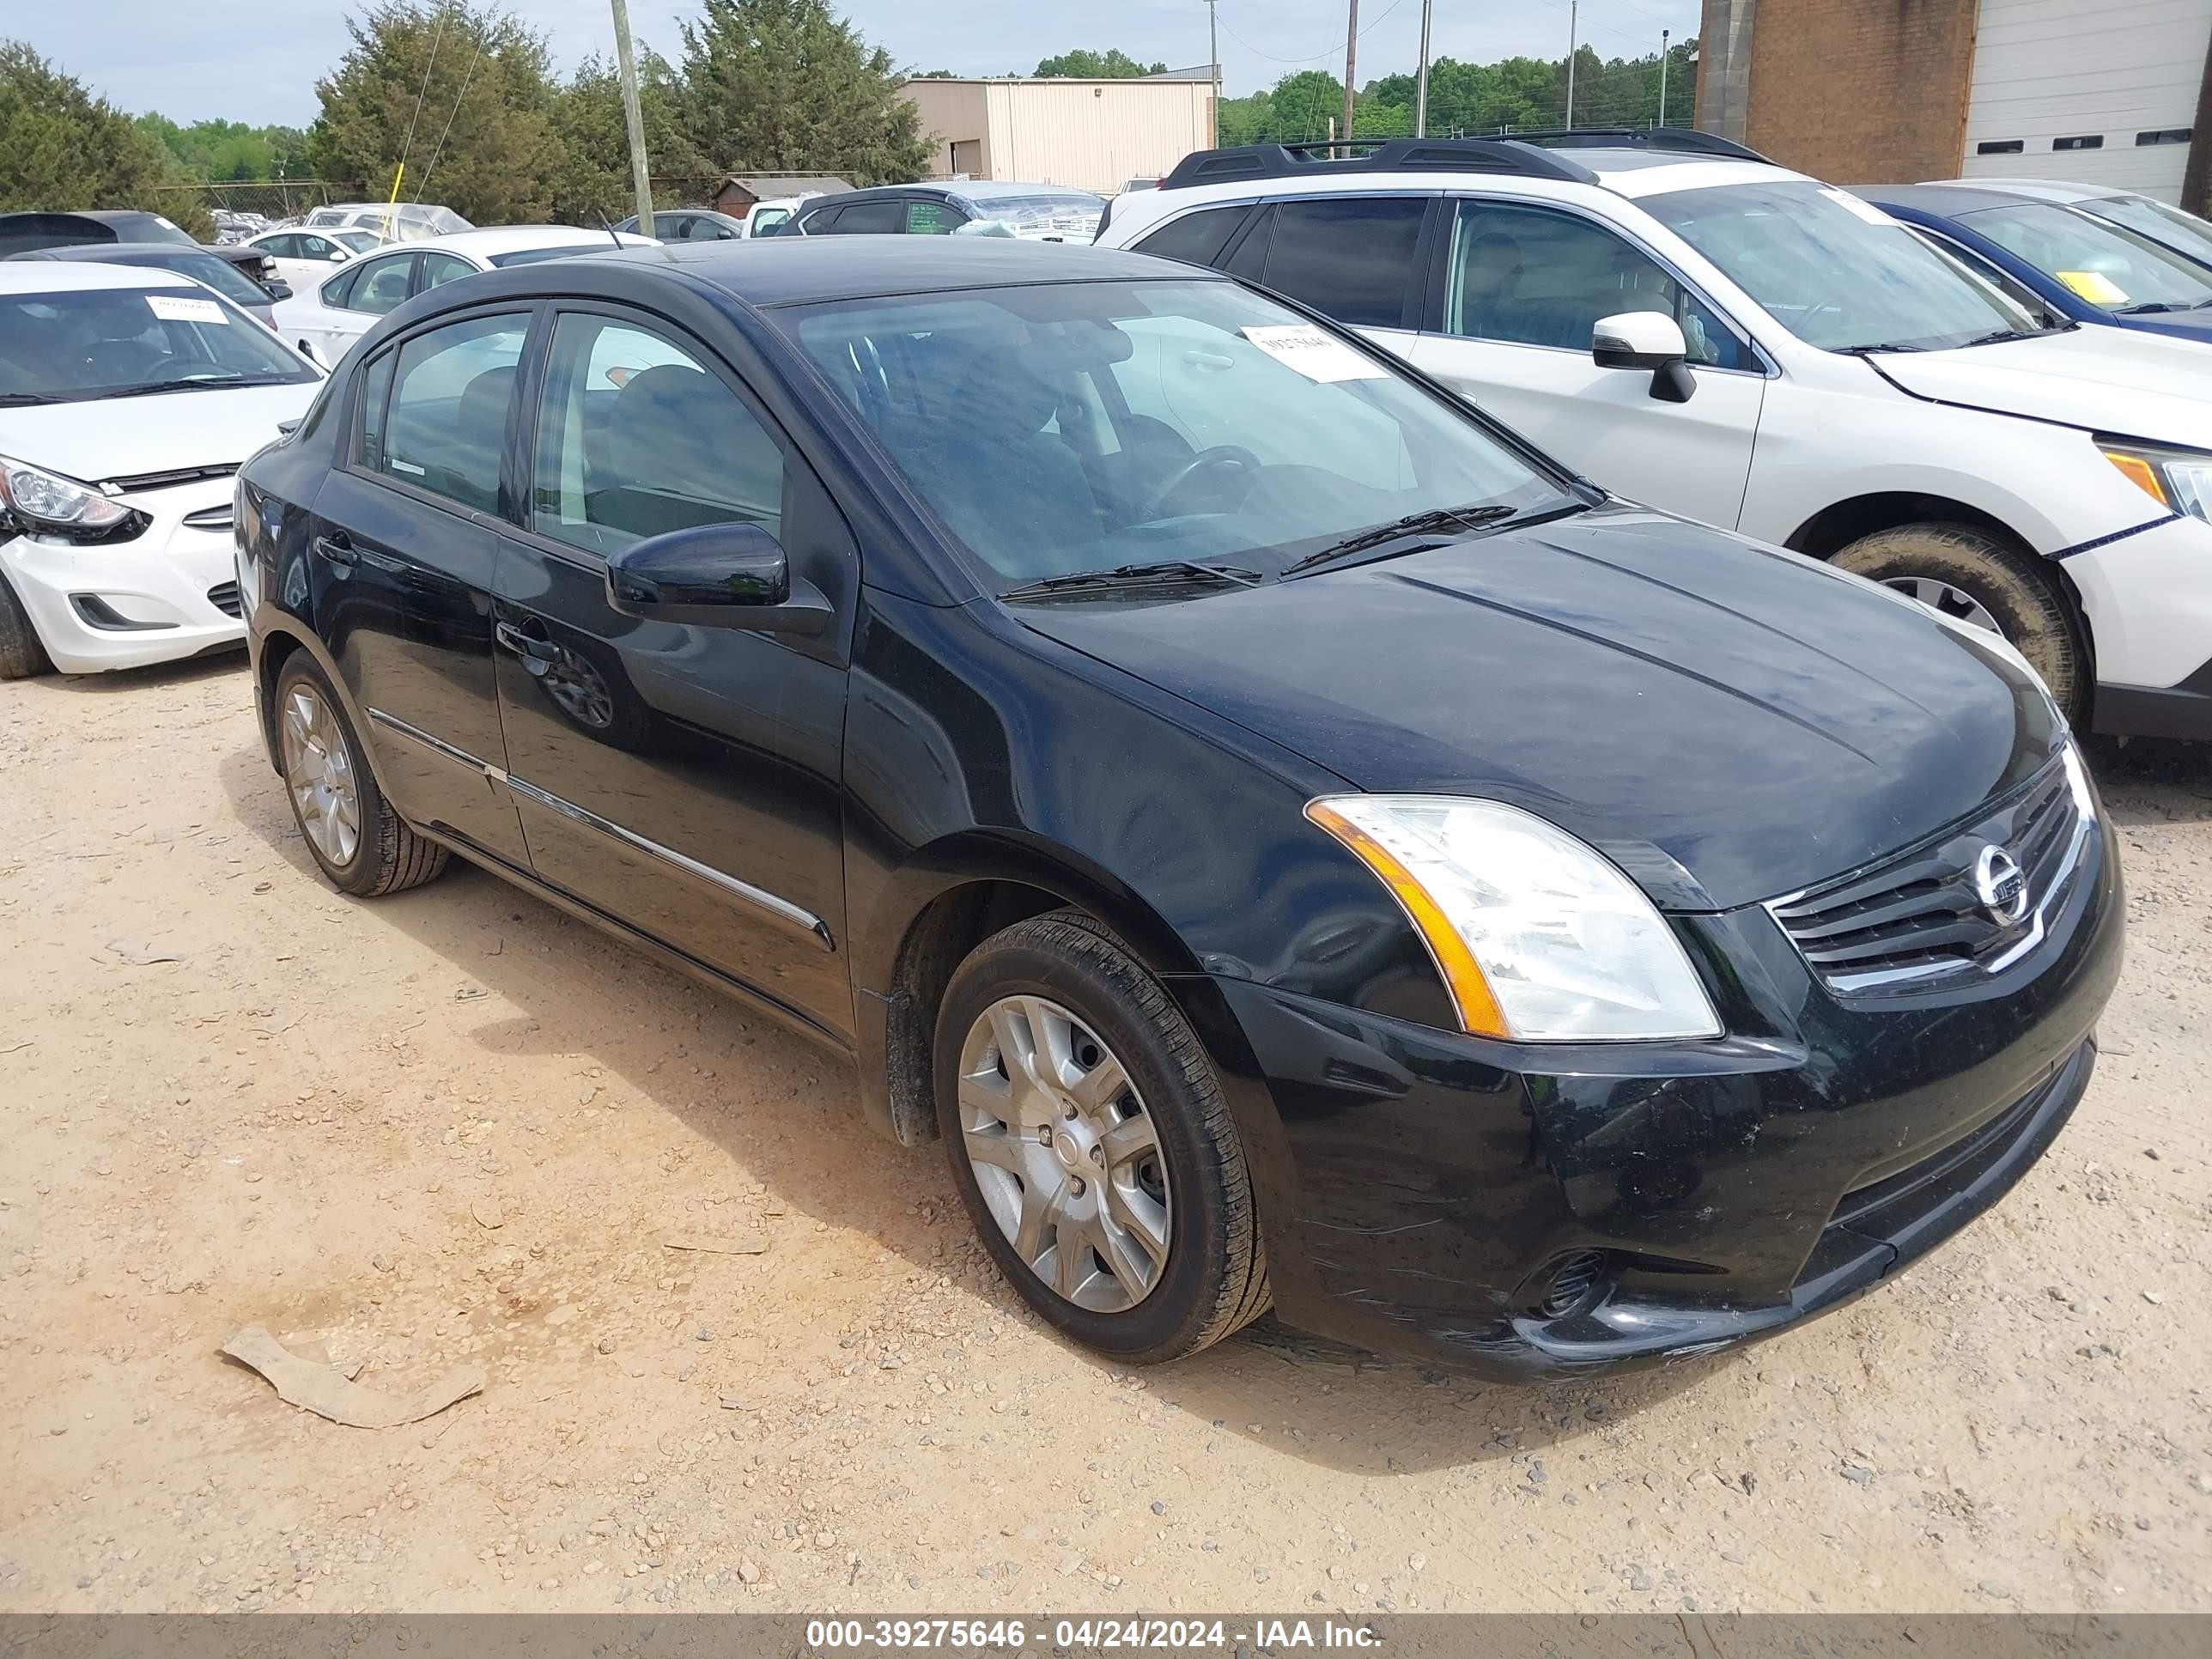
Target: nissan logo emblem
[2000,884]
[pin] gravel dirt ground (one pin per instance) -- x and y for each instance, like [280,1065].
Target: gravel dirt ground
[455,1127]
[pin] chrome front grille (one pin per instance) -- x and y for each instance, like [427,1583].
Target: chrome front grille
[1943,913]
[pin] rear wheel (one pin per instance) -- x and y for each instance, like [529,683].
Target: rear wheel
[22,655]
[1983,582]
[350,829]
[1091,1144]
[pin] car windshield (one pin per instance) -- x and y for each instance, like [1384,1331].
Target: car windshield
[2167,225]
[1084,426]
[1071,210]
[1837,273]
[359,241]
[2112,269]
[224,278]
[73,346]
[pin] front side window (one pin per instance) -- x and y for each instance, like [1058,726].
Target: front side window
[932,219]
[1530,277]
[1196,239]
[2114,270]
[1835,272]
[1351,259]
[636,437]
[380,285]
[445,429]
[85,343]
[1084,426]
[765,221]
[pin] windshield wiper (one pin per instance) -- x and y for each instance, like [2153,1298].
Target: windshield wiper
[21,399]
[1436,522]
[1887,346]
[1162,573]
[2148,308]
[158,386]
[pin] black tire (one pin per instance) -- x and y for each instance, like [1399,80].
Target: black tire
[388,856]
[2011,585]
[1215,1277]
[22,655]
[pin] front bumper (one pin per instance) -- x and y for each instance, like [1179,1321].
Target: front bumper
[1418,1191]
[170,593]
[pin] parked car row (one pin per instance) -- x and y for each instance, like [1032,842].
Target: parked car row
[1719,336]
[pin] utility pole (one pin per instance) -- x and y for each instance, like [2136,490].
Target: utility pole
[1662,76]
[640,176]
[1214,56]
[1351,66]
[1574,35]
[1421,87]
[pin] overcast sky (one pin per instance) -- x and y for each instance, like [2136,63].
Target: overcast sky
[256,60]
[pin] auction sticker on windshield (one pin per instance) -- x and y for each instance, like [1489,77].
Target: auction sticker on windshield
[1855,208]
[1314,354]
[176,308]
[2094,285]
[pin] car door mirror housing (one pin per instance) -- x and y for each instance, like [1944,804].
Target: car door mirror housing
[1646,340]
[278,288]
[717,575]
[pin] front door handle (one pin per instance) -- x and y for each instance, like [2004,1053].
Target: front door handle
[336,548]
[537,654]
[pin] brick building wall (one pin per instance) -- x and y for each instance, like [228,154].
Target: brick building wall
[1858,91]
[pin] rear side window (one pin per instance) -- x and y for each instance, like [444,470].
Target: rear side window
[821,223]
[870,218]
[380,285]
[1351,259]
[444,268]
[1196,239]
[445,426]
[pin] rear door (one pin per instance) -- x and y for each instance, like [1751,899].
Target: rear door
[687,781]
[350,302]
[1519,288]
[406,535]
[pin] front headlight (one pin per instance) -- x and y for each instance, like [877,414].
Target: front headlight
[45,500]
[2179,480]
[1539,938]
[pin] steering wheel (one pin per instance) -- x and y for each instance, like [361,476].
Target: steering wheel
[1206,460]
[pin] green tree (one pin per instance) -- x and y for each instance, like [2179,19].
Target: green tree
[593,182]
[788,86]
[1114,64]
[66,149]
[462,93]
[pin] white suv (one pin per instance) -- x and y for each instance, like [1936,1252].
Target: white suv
[1701,330]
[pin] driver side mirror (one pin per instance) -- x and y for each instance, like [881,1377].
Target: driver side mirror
[277,288]
[337,256]
[716,575]
[1648,340]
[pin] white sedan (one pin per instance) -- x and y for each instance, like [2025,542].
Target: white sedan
[325,321]
[128,397]
[303,257]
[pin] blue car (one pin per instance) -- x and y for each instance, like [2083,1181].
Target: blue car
[2073,264]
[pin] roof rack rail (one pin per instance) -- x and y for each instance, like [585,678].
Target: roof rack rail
[1687,141]
[1319,160]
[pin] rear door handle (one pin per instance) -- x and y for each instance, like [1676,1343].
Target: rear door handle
[336,548]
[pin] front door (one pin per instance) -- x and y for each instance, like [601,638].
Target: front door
[1523,287]
[687,781]
[406,538]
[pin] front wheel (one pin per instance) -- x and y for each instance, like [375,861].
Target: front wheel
[1979,580]
[1091,1142]
[22,655]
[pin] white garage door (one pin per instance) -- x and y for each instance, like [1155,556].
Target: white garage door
[2088,92]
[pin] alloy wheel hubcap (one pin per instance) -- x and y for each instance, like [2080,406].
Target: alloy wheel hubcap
[1065,1154]
[319,771]
[1953,602]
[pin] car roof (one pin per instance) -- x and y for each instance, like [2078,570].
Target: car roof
[40,276]
[512,238]
[123,253]
[779,271]
[1943,200]
[970,190]
[2041,190]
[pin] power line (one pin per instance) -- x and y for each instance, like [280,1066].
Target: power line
[1319,56]
[424,91]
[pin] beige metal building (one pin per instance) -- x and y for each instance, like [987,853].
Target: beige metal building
[1093,134]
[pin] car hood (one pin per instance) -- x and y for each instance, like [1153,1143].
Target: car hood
[2120,380]
[168,432]
[1729,722]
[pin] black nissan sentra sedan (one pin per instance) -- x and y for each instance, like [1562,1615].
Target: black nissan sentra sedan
[1291,841]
